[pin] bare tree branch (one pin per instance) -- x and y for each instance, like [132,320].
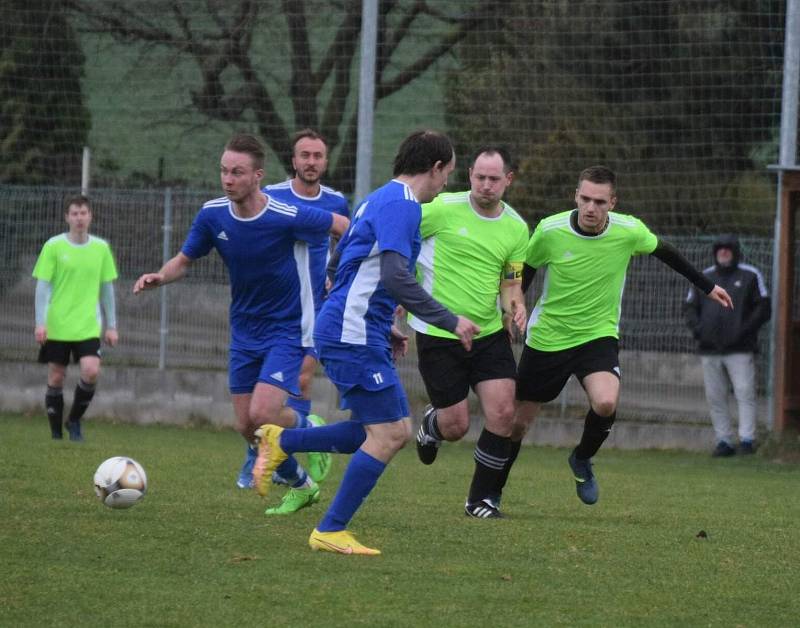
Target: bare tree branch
[235,85]
[303,89]
[466,24]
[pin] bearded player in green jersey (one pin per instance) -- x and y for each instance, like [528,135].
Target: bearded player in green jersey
[75,272]
[472,253]
[574,327]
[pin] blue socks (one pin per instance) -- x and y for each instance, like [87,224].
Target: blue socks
[292,473]
[359,479]
[302,408]
[344,437]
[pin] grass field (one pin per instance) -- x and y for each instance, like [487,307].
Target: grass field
[197,552]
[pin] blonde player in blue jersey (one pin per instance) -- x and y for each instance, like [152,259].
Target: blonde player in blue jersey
[260,239]
[574,327]
[310,162]
[357,341]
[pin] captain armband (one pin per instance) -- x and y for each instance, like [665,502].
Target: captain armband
[512,271]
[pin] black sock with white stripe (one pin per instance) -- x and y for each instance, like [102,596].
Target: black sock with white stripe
[491,455]
[432,426]
[502,478]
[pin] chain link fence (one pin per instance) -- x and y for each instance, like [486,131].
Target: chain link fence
[185,325]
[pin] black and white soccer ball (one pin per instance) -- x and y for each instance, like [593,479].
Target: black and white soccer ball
[120,482]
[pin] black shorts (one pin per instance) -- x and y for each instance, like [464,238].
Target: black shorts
[542,375]
[59,351]
[449,371]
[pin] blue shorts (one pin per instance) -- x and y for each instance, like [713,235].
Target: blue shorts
[278,365]
[367,382]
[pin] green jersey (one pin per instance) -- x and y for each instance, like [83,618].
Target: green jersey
[584,276]
[75,272]
[465,256]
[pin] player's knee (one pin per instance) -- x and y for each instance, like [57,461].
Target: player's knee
[259,415]
[501,420]
[453,426]
[55,379]
[89,374]
[604,407]
[391,438]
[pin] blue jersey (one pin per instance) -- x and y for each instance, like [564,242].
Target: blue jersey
[267,266]
[329,200]
[359,310]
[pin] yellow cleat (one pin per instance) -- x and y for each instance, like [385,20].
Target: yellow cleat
[340,542]
[270,456]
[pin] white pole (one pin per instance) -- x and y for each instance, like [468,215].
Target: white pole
[366,97]
[163,331]
[85,163]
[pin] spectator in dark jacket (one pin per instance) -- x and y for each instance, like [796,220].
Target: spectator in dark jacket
[727,342]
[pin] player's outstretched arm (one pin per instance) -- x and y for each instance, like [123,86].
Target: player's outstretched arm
[669,255]
[173,270]
[719,295]
[404,289]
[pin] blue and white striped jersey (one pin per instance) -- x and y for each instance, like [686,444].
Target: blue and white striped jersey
[359,310]
[328,200]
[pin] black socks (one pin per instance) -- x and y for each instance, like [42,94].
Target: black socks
[502,477]
[54,404]
[83,395]
[491,458]
[595,431]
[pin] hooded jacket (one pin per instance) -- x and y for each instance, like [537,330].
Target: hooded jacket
[720,330]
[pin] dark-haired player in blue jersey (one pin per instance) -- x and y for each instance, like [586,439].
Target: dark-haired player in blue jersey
[309,161]
[262,242]
[357,341]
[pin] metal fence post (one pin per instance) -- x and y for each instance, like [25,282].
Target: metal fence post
[167,239]
[85,167]
[366,98]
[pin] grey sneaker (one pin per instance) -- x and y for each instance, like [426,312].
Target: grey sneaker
[747,447]
[723,450]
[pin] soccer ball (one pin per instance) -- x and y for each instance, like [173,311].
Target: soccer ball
[120,482]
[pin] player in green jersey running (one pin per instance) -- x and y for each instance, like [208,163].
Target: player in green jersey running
[75,273]
[472,252]
[574,327]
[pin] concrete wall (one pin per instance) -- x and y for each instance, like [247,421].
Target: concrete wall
[148,396]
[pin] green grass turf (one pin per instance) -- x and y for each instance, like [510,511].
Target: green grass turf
[198,552]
